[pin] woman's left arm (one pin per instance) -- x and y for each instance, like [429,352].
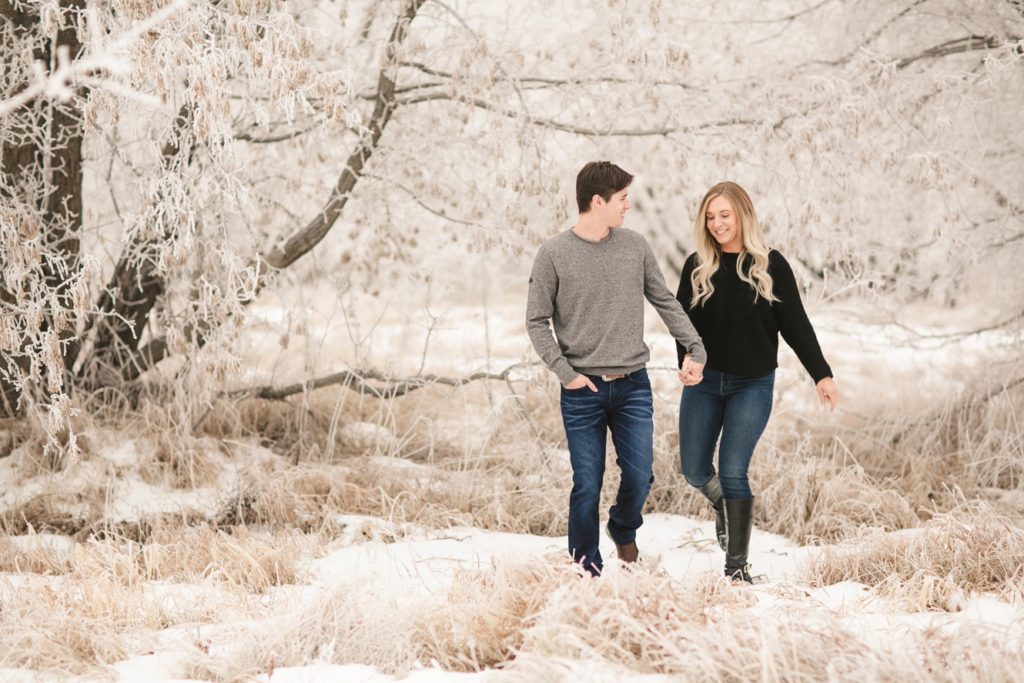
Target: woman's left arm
[796,329]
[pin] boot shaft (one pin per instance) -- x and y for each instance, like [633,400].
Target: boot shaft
[713,491]
[739,522]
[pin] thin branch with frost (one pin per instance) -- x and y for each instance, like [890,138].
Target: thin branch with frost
[578,130]
[309,236]
[303,240]
[280,137]
[539,80]
[98,70]
[419,202]
[960,45]
[874,35]
[789,18]
[357,381]
[952,336]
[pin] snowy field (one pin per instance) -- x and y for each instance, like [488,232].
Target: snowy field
[432,548]
[371,578]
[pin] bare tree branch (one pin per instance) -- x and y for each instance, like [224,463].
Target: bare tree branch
[530,80]
[247,137]
[357,381]
[1019,315]
[791,17]
[303,240]
[412,195]
[577,130]
[874,34]
[135,286]
[959,45]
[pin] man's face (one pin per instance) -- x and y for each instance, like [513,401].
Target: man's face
[614,210]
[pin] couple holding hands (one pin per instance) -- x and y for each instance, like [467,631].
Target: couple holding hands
[735,296]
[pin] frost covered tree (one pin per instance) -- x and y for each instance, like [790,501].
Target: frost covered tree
[877,136]
[142,209]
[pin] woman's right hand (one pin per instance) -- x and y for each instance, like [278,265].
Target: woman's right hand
[692,372]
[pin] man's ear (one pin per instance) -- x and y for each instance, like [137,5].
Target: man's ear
[597,201]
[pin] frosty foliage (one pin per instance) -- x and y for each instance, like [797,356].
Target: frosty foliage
[145,200]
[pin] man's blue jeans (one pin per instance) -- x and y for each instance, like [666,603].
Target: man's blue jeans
[735,407]
[624,406]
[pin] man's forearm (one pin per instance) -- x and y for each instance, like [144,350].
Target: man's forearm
[547,348]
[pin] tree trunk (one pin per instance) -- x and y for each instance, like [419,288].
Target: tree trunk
[136,286]
[41,162]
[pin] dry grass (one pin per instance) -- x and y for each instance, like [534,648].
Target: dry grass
[100,607]
[354,623]
[86,621]
[484,620]
[810,497]
[181,463]
[935,448]
[34,555]
[481,622]
[76,624]
[494,466]
[541,622]
[244,561]
[799,494]
[968,551]
[442,457]
[76,629]
[46,514]
[515,486]
[741,646]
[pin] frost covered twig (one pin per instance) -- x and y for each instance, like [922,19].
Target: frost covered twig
[97,70]
[357,381]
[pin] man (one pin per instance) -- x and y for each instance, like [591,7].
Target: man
[590,282]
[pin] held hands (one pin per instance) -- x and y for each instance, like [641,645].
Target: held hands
[580,382]
[828,392]
[692,372]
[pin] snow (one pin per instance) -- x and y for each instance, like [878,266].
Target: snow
[407,562]
[55,543]
[356,673]
[424,562]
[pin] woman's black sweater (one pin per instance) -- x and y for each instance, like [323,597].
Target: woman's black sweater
[741,335]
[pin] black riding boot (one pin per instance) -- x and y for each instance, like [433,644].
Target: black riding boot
[713,492]
[739,520]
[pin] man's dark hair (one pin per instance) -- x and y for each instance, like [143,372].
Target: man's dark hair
[601,178]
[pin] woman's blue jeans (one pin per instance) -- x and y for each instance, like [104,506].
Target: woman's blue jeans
[624,407]
[737,408]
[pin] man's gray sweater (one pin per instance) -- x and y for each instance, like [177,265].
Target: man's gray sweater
[593,293]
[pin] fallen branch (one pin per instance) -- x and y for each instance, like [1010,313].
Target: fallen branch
[356,380]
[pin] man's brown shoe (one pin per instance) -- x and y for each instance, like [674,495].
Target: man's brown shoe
[628,553]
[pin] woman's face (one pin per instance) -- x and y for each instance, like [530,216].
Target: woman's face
[723,225]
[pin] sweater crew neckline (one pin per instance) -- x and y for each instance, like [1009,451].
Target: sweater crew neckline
[604,240]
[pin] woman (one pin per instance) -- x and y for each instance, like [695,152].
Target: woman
[740,295]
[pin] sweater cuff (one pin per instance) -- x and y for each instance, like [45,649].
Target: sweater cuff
[821,373]
[564,371]
[697,353]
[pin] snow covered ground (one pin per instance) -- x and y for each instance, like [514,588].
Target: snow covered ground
[359,593]
[408,565]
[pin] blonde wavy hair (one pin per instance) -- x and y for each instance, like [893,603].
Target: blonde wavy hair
[709,253]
